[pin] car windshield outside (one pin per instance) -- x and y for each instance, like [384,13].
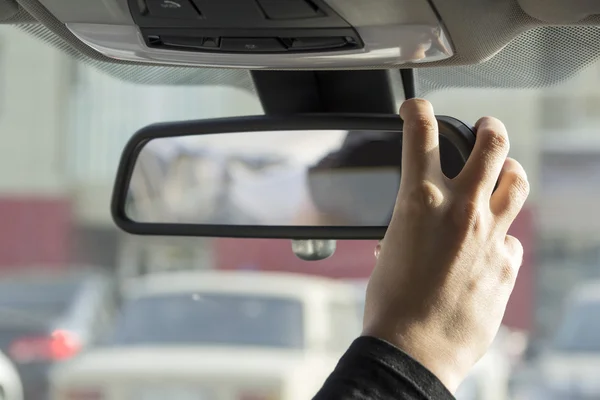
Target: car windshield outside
[64,124]
[210,319]
[42,299]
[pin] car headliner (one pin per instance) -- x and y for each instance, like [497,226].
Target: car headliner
[501,46]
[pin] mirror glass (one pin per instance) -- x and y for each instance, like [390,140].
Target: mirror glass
[274,178]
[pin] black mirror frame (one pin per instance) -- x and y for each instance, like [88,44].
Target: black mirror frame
[461,135]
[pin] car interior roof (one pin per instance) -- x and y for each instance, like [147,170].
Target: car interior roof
[509,43]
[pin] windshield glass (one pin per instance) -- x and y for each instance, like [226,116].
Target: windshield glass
[64,125]
[44,299]
[210,319]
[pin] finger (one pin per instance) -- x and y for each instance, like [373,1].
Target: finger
[483,167]
[512,191]
[420,141]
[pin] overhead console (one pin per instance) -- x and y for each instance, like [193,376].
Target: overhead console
[242,26]
[282,34]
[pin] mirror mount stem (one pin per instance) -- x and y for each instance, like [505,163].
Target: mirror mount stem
[313,250]
[326,92]
[299,92]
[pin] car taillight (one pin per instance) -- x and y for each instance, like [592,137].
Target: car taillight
[83,394]
[60,345]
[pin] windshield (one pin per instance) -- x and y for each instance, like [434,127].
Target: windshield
[41,299]
[210,319]
[64,125]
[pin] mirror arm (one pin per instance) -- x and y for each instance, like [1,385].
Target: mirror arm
[326,92]
[300,92]
[408,83]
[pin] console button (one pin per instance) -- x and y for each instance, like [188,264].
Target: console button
[181,9]
[211,43]
[251,45]
[309,43]
[208,43]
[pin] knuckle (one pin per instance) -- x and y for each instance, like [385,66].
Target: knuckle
[508,272]
[417,113]
[519,184]
[421,123]
[469,215]
[513,257]
[514,248]
[424,196]
[497,141]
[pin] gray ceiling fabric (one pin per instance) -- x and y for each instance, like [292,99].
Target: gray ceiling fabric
[11,13]
[8,9]
[53,32]
[538,56]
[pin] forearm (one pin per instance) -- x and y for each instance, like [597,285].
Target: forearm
[373,369]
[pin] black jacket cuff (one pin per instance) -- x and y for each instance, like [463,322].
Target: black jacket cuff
[374,369]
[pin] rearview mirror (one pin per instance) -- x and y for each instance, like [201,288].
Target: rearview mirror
[297,177]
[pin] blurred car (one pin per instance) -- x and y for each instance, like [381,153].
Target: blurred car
[568,367]
[48,318]
[10,383]
[217,336]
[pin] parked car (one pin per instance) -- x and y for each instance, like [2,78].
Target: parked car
[48,318]
[568,366]
[11,387]
[217,335]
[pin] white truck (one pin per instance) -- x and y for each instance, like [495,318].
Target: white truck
[217,336]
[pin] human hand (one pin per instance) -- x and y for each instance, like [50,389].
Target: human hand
[446,267]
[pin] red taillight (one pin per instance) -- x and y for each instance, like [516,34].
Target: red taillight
[60,345]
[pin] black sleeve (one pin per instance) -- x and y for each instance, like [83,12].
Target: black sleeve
[373,369]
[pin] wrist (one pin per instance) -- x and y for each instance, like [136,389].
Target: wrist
[432,356]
